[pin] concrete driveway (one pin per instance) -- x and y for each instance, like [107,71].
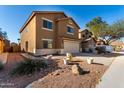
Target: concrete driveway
[114,76]
[105,59]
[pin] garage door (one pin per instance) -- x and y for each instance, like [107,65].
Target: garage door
[71,46]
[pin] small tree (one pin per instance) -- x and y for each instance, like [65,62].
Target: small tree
[96,26]
[113,32]
[107,33]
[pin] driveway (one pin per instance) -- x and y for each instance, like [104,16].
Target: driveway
[12,60]
[114,76]
[105,59]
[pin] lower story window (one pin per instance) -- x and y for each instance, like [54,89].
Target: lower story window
[47,43]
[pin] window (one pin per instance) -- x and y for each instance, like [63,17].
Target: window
[47,24]
[70,30]
[47,43]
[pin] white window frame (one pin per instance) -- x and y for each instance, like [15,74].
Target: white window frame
[71,27]
[49,21]
[47,39]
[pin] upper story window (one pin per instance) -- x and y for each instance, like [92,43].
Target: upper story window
[70,30]
[47,24]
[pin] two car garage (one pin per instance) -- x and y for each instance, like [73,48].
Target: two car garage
[71,46]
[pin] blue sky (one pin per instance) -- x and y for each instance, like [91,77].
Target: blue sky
[13,17]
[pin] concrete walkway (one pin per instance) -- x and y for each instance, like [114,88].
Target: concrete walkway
[114,76]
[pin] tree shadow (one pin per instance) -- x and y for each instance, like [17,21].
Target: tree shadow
[85,72]
[97,63]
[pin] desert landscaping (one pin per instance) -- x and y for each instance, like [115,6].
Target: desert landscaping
[51,50]
[57,74]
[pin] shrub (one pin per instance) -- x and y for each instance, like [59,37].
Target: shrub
[118,48]
[1,65]
[29,67]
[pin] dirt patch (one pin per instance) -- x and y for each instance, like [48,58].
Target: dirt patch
[63,78]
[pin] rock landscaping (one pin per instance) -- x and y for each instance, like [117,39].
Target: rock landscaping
[76,70]
[76,74]
[21,81]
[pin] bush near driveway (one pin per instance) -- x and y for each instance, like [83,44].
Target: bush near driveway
[1,66]
[29,66]
[117,48]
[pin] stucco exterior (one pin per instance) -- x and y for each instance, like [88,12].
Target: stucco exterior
[29,35]
[33,32]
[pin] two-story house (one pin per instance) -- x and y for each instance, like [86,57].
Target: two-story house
[49,32]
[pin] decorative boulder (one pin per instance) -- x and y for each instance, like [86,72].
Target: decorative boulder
[76,70]
[90,60]
[65,61]
[68,56]
[49,57]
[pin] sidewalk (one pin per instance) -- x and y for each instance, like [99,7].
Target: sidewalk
[114,76]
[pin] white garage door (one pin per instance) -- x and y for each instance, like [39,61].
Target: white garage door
[71,46]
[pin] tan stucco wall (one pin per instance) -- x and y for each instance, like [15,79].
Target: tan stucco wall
[29,34]
[59,30]
[46,34]
[62,29]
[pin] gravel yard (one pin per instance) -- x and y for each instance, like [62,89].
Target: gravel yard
[63,77]
[56,75]
[7,80]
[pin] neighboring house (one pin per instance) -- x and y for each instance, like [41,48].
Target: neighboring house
[87,42]
[48,32]
[4,45]
[15,47]
[118,44]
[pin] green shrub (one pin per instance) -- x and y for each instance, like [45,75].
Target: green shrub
[29,67]
[117,48]
[1,65]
